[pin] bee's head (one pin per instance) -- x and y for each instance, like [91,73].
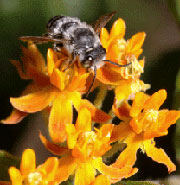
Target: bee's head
[92,57]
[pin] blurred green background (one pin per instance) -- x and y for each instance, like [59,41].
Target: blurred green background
[160,20]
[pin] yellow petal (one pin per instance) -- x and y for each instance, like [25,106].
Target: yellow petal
[83,122]
[51,59]
[72,135]
[33,102]
[57,78]
[158,155]
[75,98]
[104,36]
[138,103]
[128,156]
[123,90]
[60,115]
[121,131]
[15,117]
[110,171]
[85,174]
[118,29]
[28,162]
[50,166]
[15,176]
[135,43]
[156,100]
[66,168]
[170,118]
[78,83]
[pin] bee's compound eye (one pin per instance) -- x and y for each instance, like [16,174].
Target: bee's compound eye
[90,58]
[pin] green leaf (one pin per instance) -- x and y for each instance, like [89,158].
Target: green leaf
[7,160]
[135,183]
[174,5]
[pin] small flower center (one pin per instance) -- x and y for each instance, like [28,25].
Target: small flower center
[35,178]
[135,69]
[152,115]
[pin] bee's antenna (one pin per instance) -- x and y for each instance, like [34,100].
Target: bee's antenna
[94,77]
[117,64]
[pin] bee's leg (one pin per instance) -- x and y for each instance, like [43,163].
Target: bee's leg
[94,77]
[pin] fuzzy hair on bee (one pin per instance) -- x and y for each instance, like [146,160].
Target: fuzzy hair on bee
[79,39]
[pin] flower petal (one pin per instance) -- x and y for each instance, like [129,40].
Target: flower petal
[33,102]
[110,171]
[127,156]
[170,118]
[156,100]
[108,76]
[57,78]
[158,155]
[138,103]
[28,162]
[104,36]
[97,115]
[15,176]
[55,149]
[66,168]
[78,83]
[38,57]
[41,79]
[60,115]
[83,122]
[85,174]
[121,131]
[123,111]
[135,44]
[51,59]
[49,167]
[118,29]
[15,117]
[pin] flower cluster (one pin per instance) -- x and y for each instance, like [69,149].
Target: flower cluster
[81,145]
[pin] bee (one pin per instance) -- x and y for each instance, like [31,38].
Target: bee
[79,39]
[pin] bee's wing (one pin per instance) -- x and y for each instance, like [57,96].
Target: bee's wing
[41,39]
[102,21]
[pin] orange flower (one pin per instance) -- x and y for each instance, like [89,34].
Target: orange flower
[121,52]
[142,123]
[86,150]
[56,88]
[125,79]
[30,175]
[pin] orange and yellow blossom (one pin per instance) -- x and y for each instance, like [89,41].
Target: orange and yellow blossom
[86,150]
[142,122]
[30,175]
[125,79]
[53,88]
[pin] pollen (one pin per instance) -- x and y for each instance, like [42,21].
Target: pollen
[35,178]
[136,86]
[152,115]
[135,69]
[121,44]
